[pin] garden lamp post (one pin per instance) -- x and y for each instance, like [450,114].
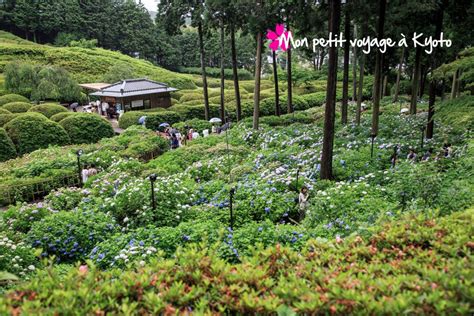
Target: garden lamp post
[79,166]
[227,123]
[152,181]
[231,200]
[372,136]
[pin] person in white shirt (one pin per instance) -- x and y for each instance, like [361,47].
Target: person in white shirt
[105,107]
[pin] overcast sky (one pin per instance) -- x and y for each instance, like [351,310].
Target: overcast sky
[150,4]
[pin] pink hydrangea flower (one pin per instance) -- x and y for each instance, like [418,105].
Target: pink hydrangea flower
[278,37]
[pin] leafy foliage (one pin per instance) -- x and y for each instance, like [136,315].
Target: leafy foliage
[48,109]
[9,98]
[86,128]
[17,107]
[7,149]
[33,131]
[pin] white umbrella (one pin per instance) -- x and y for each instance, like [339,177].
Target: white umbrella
[215,120]
[404,110]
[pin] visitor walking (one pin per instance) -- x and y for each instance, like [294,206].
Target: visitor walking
[74,106]
[303,202]
[174,141]
[394,157]
[411,155]
[427,155]
[104,107]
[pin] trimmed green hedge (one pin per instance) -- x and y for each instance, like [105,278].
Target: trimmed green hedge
[130,118]
[215,72]
[62,115]
[153,120]
[9,98]
[4,111]
[33,131]
[17,107]
[87,128]
[7,148]
[48,109]
[5,118]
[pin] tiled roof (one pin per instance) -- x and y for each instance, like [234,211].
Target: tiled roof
[133,87]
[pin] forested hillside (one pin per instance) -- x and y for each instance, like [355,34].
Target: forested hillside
[85,64]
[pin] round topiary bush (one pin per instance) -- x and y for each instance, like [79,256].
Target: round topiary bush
[7,149]
[5,118]
[17,107]
[4,111]
[87,128]
[31,131]
[9,98]
[61,116]
[48,109]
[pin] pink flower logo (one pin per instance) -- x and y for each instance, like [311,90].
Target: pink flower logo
[278,38]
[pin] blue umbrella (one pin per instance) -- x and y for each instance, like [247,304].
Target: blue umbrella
[141,120]
[164,125]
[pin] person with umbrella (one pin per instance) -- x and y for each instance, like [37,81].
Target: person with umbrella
[215,120]
[74,106]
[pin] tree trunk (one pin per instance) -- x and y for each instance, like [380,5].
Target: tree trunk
[354,68]
[290,79]
[434,64]
[345,79]
[222,110]
[453,87]
[235,73]
[330,109]
[423,75]
[275,79]
[360,93]
[384,85]
[416,81]
[203,72]
[399,73]
[256,93]
[458,83]
[378,70]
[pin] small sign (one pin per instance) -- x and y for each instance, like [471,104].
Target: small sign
[137,103]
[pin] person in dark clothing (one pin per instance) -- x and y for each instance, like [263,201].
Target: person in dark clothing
[174,141]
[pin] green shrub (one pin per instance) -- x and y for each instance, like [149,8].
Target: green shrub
[62,115]
[7,148]
[404,88]
[130,118]
[315,99]
[196,102]
[17,107]
[9,98]
[21,217]
[421,265]
[16,257]
[196,124]
[4,111]
[5,118]
[48,109]
[215,72]
[457,113]
[87,128]
[70,236]
[153,120]
[33,131]
[192,96]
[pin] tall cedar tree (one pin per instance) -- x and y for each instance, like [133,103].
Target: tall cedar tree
[330,110]
[378,70]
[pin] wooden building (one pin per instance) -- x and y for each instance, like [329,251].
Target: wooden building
[135,94]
